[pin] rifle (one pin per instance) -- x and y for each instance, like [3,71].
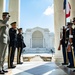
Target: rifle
[59,47]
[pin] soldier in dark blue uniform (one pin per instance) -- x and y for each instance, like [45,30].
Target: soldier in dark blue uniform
[69,46]
[64,43]
[20,45]
[74,39]
[74,33]
[12,44]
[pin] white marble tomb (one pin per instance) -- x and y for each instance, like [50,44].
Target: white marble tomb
[39,38]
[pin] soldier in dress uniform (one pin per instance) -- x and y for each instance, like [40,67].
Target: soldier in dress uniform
[3,39]
[20,45]
[62,41]
[70,47]
[12,44]
[74,33]
[74,39]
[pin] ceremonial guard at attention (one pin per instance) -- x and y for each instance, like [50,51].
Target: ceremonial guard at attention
[73,26]
[20,45]
[63,43]
[70,50]
[12,44]
[3,39]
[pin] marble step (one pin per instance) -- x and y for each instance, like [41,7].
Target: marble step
[37,50]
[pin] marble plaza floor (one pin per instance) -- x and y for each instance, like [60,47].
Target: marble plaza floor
[38,67]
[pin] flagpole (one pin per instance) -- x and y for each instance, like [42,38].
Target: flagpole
[65,14]
[65,32]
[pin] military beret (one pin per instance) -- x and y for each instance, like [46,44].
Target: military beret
[13,23]
[5,13]
[74,19]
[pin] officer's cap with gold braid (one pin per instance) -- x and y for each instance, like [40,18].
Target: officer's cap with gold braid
[5,13]
[13,23]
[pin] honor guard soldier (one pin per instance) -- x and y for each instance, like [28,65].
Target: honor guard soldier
[74,33]
[12,44]
[70,46]
[3,39]
[20,45]
[74,38]
[62,42]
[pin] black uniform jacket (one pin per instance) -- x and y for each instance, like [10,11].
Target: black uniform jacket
[20,41]
[13,37]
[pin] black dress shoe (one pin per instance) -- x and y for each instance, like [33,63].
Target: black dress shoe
[1,72]
[70,66]
[73,70]
[11,67]
[4,71]
[64,63]
[20,63]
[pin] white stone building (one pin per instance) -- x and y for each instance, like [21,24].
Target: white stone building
[39,38]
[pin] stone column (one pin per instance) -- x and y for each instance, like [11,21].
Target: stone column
[59,21]
[14,10]
[1,7]
[72,3]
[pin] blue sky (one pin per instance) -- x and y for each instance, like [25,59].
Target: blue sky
[36,13]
